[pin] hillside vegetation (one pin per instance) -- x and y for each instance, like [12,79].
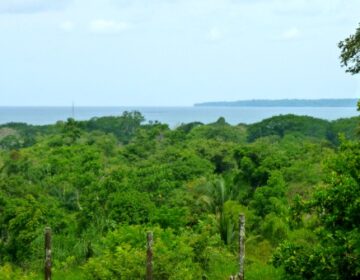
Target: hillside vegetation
[102,184]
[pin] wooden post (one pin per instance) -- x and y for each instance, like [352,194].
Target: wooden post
[47,254]
[149,256]
[241,246]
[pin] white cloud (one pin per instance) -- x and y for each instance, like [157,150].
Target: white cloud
[67,26]
[108,26]
[215,34]
[291,33]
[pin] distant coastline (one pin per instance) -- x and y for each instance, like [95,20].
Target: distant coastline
[345,102]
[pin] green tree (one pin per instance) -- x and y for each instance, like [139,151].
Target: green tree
[124,252]
[350,52]
[214,195]
[337,207]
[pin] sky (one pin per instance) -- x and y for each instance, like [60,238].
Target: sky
[172,52]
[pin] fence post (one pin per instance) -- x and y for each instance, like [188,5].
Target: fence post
[47,253]
[149,256]
[241,246]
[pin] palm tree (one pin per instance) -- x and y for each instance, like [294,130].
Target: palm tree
[214,194]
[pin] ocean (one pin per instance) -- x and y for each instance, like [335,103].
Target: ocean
[170,115]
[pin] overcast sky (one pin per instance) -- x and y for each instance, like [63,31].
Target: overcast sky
[172,52]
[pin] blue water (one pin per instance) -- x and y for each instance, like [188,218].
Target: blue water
[170,115]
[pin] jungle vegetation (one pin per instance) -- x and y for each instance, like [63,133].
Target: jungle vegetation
[102,184]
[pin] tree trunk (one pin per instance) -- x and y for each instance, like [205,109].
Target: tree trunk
[241,246]
[149,257]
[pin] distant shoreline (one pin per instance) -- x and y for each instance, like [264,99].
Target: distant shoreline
[344,102]
[172,116]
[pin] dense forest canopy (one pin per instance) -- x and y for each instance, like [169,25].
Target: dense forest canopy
[102,184]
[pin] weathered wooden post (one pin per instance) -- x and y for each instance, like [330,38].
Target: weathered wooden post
[241,246]
[149,256]
[47,253]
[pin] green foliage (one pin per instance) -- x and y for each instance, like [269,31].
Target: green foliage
[171,217]
[124,256]
[347,127]
[337,207]
[22,222]
[102,184]
[123,127]
[130,207]
[268,199]
[214,196]
[8,272]
[350,52]
[220,130]
[282,125]
[10,142]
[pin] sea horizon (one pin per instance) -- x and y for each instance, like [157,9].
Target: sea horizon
[171,115]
